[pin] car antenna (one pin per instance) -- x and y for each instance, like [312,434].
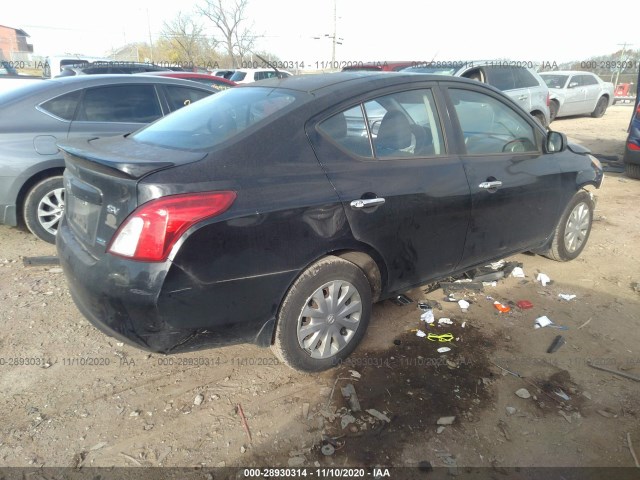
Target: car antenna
[266,61]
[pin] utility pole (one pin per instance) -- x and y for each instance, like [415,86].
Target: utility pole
[335,34]
[624,46]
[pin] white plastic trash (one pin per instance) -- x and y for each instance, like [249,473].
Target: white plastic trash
[427,316]
[445,321]
[542,322]
[566,296]
[543,279]
[444,350]
[463,305]
[420,333]
[518,272]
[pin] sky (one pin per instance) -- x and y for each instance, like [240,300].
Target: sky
[369,30]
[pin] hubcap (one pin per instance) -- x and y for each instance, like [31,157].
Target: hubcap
[329,319]
[577,227]
[50,210]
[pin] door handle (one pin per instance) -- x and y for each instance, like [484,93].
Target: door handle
[490,185]
[523,97]
[367,202]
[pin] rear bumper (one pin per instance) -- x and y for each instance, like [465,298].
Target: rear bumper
[126,300]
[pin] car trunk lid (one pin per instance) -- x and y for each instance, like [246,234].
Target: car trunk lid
[101,184]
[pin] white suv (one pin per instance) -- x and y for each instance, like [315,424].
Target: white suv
[249,75]
[515,79]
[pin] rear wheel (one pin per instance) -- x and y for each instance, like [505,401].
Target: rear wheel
[573,231]
[601,107]
[632,170]
[323,316]
[43,208]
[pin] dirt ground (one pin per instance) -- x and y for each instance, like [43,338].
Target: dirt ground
[74,397]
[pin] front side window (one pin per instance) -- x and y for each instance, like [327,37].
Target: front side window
[555,81]
[490,126]
[400,125]
[121,103]
[217,118]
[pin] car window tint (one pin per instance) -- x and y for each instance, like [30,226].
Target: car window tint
[217,118]
[501,77]
[524,78]
[490,126]
[555,81]
[238,76]
[122,103]
[348,129]
[179,97]
[588,80]
[63,106]
[405,124]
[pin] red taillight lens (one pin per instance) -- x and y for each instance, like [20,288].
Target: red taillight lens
[149,233]
[633,146]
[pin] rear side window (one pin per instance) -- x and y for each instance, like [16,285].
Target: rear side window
[585,80]
[238,76]
[122,103]
[500,77]
[63,106]
[179,97]
[400,125]
[524,78]
[490,126]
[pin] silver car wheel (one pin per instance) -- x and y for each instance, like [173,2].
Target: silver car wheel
[50,210]
[577,227]
[329,319]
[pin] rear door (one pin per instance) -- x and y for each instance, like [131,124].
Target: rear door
[515,188]
[405,196]
[592,92]
[115,110]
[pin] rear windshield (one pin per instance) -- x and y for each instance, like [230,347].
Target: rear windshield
[212,120]
[555,81]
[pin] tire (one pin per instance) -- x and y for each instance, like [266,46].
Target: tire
[553,111]
[329,277]
[43,208]
[601,107]
[573,231]
[632,170]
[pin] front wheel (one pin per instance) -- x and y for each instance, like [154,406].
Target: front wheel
[601,107]
[324,315]
[573,231]
[43,208]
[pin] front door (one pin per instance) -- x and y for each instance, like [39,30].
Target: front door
[406,198]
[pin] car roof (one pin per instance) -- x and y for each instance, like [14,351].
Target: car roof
[253,70]
[61,85]
[567,72]
[325,83]
[187,75]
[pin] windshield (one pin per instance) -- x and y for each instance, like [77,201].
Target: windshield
[431,70]
[555,81]
[212,120]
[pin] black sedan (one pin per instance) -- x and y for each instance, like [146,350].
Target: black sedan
[261,215]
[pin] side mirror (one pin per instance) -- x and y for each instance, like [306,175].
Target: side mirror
[573,84]
[556,142]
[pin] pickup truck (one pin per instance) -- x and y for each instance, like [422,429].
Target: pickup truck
[577,93]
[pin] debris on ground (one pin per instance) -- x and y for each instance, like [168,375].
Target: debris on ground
[543,279]
[380,416]
[427,316]
[518,272]
[566,296]
[556,344]
[401,300]
[349,393]
[446,420]
[524,304]
[511,410]
[199,399]
[501,307]
[542,322]
[615,372]
[523,393]
[245,425]
[444,350]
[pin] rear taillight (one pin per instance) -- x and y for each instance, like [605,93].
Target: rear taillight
[149,233]
[633,146]
[638,112]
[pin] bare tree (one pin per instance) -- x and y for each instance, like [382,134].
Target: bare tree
[186,40]
[228,16]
